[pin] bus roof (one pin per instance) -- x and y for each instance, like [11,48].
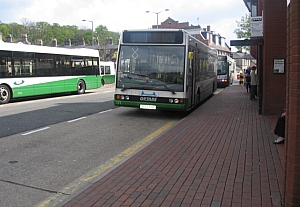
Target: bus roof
[194,41]
[110,64]
[20,47]
[153,30]
[228,58]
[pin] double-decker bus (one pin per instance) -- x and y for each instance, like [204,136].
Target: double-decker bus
[225,72]
[31,70]
[164,69]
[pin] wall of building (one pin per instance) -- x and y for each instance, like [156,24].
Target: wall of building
[292,187]
[171,24]
[274,34]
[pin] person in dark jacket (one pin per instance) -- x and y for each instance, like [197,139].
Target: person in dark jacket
[248,80]
[279,130]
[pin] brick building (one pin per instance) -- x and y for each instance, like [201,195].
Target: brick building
[205,35]
[279,70]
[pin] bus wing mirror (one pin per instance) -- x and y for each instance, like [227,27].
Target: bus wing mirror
[191,55]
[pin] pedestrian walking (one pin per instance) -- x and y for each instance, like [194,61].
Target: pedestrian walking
[248,80]
[254,83]
[241,78]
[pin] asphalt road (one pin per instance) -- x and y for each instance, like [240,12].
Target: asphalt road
[52,147]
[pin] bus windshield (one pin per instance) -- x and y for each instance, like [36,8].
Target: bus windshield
[151,67]
[222,67]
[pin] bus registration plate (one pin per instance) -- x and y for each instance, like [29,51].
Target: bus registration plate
[142,106]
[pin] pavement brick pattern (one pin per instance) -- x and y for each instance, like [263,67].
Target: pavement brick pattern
[221,154]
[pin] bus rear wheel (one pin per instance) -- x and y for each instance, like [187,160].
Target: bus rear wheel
[5,94]
[80,87]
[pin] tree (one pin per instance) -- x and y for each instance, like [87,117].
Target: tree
[69,32]
[243,31]
[44,32]
[57,33]
[4,29]
[115,36]
[87,35]
[15,30]
[47,32]
[102,34]
[29,28]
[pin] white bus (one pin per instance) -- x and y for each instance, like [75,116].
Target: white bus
[164,69]
[31,70]
[226,71]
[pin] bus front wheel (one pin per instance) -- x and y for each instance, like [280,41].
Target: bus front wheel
[5,94]
[80,87]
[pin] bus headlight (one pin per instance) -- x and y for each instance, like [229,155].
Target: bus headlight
[175,100]
[122,97]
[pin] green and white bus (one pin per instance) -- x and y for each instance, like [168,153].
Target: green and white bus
[31,70]
[164,69]
[108,72]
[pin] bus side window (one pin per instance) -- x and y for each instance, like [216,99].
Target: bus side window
[3,69]
[107,69]
[102,69]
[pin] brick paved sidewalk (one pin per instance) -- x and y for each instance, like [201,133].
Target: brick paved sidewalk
[219,155]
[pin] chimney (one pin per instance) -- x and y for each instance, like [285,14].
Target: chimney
[54,42]
[39,42]
[208,28]
[67,42]
[210,37]
[215,39]
[0,37]
[81,41]
[9,38]
[24,39]
[222,41]
[95,39]
[109,41]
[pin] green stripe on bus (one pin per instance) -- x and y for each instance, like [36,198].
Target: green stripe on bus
[61,86]
[179,107]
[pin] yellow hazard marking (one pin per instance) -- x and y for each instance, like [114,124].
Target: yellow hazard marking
[74,186]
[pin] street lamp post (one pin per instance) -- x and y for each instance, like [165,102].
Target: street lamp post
[84,20]
[157,16]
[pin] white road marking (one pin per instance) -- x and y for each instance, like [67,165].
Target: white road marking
[77,119]
[101,112]
[35,131]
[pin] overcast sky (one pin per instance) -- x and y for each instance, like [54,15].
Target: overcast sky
[118,15]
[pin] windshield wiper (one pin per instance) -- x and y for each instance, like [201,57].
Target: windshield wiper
[172,91]
[124,89]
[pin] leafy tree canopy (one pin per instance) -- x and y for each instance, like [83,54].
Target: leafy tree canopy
[243,31]
[45,31]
